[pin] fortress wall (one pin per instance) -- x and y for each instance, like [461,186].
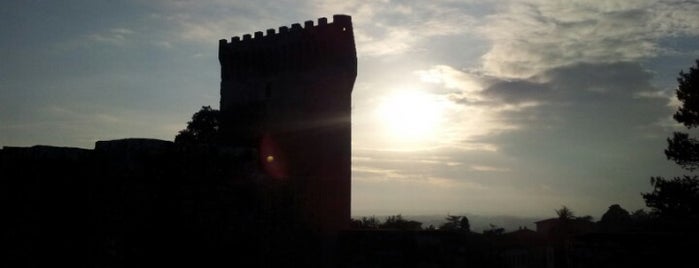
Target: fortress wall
[133,202]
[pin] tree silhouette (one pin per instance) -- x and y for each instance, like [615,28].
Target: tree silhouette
[456,223]
[565,214]
[615,219]
[203,129]
[494,230]
[641,220]
[586,218]
[681,148]
[397,222]
[366,223]
[464,225]
[677,199]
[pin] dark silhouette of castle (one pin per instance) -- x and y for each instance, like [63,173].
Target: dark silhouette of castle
[289,93]
[275,190]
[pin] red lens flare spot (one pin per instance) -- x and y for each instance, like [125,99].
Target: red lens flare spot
[271,158]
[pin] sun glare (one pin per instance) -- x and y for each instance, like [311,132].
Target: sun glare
[410,117]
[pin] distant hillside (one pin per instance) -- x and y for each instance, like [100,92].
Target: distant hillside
[478,222]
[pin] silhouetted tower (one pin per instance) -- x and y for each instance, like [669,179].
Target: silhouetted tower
[289,95]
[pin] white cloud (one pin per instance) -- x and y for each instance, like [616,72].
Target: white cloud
[529,37]
[208,21]
[451,78]
[471,112]
[114,36]
[396,41]
[488,168]
[373,175]
[390,28]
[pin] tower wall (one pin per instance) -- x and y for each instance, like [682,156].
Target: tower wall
[289,94]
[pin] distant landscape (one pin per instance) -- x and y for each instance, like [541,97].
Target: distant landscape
[478,222]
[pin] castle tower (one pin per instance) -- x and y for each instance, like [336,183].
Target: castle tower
[288,93]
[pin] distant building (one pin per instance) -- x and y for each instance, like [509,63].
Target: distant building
[573,226]
[522,248]
[545,226]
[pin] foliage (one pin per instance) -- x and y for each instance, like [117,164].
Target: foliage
[397,222]
[586,218]
[615,213]
[688,94]
[464,225]
[203,129]
[675,199]
[366,223]
[565,214]
[641,216]
[494,230]
[615,219]
[456,223]
[682,149]
[641,220]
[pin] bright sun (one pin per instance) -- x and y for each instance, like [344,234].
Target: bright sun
[410,117]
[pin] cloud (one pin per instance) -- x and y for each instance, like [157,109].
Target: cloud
[114,36]
[591,128]
[451,78]
[488,168]
[562,98]
[208,21]
[403,176]
[567,127]
[588,97]
[617,92]
[576,82]
[384,28]
[373,175]
[476,103]
[518,91]
[530,37]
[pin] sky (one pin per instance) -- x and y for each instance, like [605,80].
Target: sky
[516,107]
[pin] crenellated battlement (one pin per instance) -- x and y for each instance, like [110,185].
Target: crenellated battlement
[340,23]
[298,47]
